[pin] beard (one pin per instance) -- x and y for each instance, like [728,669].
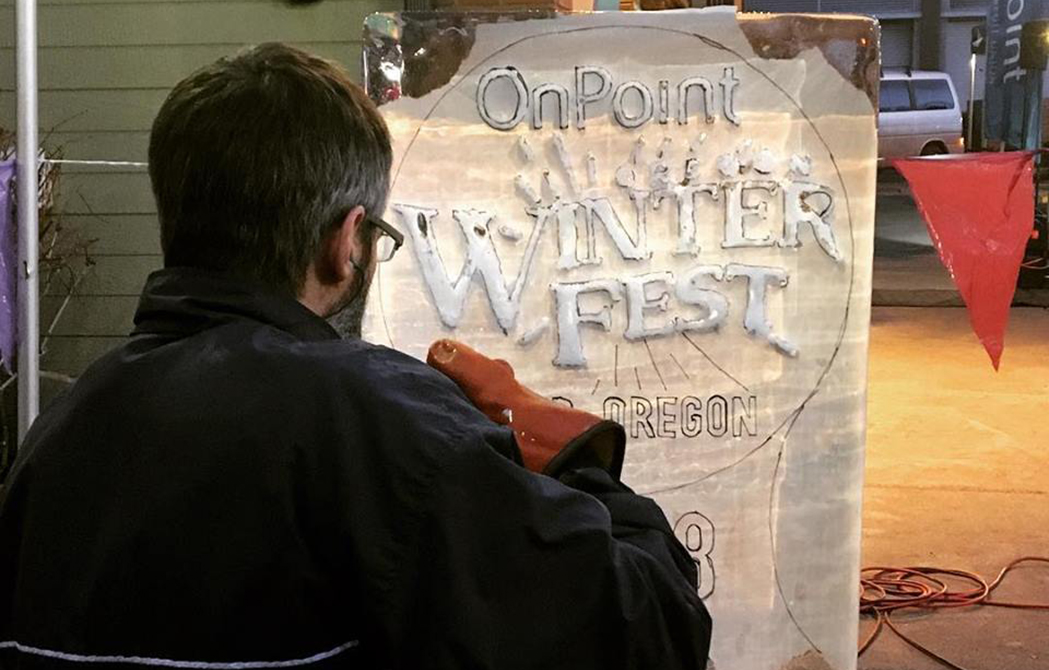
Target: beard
[349,315]
[348,320]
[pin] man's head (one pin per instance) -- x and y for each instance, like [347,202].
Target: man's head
[265,165]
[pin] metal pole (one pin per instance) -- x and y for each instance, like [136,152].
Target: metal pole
[970,146]
[28,223]
[1034,139]
[1033,111]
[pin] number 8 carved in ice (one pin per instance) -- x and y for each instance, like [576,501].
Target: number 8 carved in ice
[696,532]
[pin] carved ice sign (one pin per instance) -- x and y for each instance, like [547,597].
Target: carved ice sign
[665,219]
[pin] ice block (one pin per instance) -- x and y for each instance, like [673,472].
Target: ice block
[666,219]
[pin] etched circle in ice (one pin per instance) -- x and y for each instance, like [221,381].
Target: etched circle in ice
[690,279]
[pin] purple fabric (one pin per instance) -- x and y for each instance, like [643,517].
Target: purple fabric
[8,263]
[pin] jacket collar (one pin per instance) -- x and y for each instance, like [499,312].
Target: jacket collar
[182,301]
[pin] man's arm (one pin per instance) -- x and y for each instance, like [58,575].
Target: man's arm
[517,570]
[457,556]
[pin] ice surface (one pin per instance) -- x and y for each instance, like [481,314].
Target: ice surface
[665,218]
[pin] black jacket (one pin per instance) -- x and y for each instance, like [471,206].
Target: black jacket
[236,484]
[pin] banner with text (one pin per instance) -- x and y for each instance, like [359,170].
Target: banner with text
[1005,94]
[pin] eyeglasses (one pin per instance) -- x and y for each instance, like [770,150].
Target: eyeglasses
[390,239]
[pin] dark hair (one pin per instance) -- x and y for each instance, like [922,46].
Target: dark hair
[256,158]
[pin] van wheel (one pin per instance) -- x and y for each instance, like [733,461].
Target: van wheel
[933,149]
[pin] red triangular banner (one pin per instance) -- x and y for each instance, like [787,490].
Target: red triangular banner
[980,211]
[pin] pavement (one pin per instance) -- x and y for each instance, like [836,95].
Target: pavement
[958,477]
[957,455]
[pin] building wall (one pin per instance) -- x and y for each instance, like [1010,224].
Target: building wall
[105,68]
[897,42]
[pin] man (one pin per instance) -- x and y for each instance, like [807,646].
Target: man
[237,487]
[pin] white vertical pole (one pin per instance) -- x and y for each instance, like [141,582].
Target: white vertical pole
[969,144]
[28,222]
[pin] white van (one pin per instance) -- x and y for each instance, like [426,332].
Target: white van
[918,115]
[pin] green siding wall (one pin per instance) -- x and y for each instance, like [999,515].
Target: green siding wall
[105,68]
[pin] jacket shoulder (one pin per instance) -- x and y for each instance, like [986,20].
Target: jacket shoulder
[396,393]
[373,372]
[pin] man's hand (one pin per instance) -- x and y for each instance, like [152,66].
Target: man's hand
[552,437]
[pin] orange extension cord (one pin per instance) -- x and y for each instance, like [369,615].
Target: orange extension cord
[885,590]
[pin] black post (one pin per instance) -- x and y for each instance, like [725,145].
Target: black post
[930,35]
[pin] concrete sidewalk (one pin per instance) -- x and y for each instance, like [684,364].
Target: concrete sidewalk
[958,477]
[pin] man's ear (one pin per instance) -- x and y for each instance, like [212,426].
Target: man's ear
[342,247]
